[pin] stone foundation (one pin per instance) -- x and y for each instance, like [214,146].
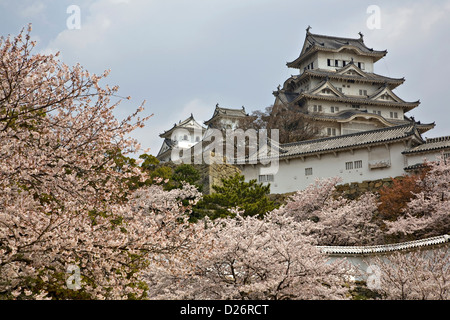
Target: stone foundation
[355,189]
[212,174]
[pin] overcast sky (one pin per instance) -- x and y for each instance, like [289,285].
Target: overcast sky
[184,56]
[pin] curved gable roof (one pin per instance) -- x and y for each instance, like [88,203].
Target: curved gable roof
[317,42]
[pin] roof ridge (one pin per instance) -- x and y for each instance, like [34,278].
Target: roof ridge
[335,37]
[347,135]
[238,109]
[385,247]
[372,75]
[360,40]
[369,100]
[437,139]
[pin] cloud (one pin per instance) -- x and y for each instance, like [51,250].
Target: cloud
[185,56]
[32,10]
[201,110]
[420,18]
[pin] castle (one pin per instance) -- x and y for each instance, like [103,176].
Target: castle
[362,130]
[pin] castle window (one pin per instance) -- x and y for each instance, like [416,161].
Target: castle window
[358,164]
[363,92]
[317,108]
[266,178]
[308,171]
[329,62]
[334,109]
[331,131]
[349,165]
[197,139]
[393,115]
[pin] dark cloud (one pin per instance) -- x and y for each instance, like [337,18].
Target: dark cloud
[186,56]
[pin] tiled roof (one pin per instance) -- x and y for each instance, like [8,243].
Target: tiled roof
[415,167]
[347,114]
[431,144]
[348,141]
[407,106]
[181,124]
[315,42]
[286,97]
[364,250]
[369,77]
[424,127]
[232,113]
[332,42]
[166,147]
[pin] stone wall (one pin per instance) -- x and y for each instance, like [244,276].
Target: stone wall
[355,189]
[212,174]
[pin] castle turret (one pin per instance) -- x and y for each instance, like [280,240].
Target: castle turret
[338,89]
[182,135]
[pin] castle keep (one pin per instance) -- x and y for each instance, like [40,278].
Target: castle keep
[362,130]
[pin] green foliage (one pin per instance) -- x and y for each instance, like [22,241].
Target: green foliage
[125,164]
[163,172]
[172,175]
[187,173]
[252,197]
[150,162]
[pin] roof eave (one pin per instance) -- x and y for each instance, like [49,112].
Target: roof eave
[407,135]
[407,106]
[377,55]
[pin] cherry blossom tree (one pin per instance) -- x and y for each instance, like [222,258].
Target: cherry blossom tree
[427,214]
[332,219]
[252,258]
[415,275]
[64,201]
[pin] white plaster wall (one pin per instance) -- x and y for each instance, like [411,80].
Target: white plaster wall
[291,175]
[313,59]
[346,55]
[352,89]
[412,159]
[385,111]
